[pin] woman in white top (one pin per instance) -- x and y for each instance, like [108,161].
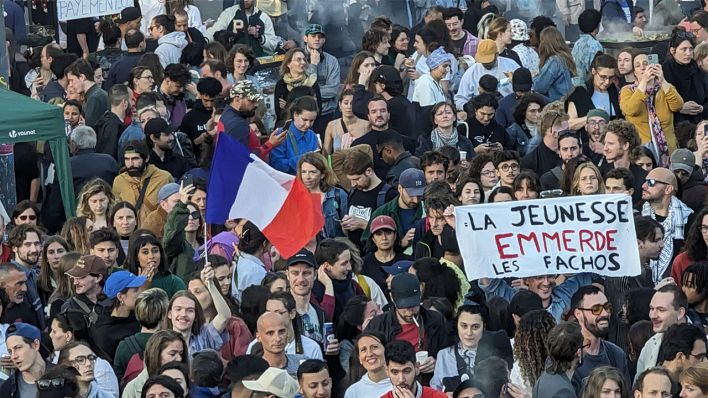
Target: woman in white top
[375,382]
[428,90]
[530,350]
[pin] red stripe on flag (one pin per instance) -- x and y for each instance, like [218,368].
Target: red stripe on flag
[298,221]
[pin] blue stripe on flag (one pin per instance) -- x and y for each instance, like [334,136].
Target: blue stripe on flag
[228,167]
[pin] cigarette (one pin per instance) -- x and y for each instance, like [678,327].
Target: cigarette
[415,320]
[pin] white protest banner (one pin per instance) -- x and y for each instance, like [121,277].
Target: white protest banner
[565,235]
[75,9]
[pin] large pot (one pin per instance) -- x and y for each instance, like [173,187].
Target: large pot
[627,39]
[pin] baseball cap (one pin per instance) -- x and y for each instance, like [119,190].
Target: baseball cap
[486,51]
[121,280]
[156,126]
[598,112]
[23,330]
[519,30]
[88,265]
[246,89]
[521,80]
[398,267]
[274,381]
[682,159]
[303,256]
[167,190]
[382,222]
[413,180]
[129,14]
[389,77]
[314,28]
[437,58]
[405,290]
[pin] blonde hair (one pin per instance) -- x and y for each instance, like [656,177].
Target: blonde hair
[497,27]
[575,186]
[329,179]
[91,188]
[700,52]
[696,375]
[551,43]
[64,288]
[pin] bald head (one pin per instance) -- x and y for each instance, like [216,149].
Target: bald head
[659,186]
[269,320]
[272,333]
[665,175]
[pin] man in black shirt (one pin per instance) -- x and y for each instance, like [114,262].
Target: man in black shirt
[159,136]
[485,133]
[568,149]
[367,194]
[545,156]
[81,37]
[195,121]
[390,146]
[619,140]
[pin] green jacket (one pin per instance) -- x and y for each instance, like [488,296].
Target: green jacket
[179,252]
[390,209]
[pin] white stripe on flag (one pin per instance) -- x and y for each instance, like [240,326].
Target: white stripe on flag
[260,195]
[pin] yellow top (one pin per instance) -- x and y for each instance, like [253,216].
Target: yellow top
[273,8]
[633,105]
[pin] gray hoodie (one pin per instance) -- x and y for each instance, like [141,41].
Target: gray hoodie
[170,48]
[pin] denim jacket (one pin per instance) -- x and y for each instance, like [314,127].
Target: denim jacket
[334,207]
[554,80]
[523,144]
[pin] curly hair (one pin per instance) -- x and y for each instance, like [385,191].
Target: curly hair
[92,188]
[625,132]
[695,245]
[75,233]
[530,343]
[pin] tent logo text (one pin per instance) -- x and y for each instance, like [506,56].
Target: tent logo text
[15,133]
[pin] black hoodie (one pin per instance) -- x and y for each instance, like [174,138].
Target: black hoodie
[108,330]
[109,127]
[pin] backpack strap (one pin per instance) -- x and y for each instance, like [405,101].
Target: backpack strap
[89,313]
[381,197]
[133,346]
[141,198]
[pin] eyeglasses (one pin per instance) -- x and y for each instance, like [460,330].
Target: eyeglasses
[507,167]
[147,77]
[597,308]
[50,384]
[704,229]
[489,173]
[699,357]
[652,182]
[25,217]
[596,123]
[81,360]
[194,214]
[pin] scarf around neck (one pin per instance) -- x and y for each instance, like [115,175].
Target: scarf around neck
[304,80]
[658,138]
[439,138]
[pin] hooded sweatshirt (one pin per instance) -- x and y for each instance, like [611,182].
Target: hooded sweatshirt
[366,388]
[170,48]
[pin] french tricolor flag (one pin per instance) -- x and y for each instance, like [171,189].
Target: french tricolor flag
[243,186]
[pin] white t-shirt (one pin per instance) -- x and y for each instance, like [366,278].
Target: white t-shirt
[365,388]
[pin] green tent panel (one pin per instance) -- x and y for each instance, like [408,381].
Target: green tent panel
[23,119]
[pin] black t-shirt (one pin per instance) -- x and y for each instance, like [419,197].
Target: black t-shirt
[20,313]
[371,267]
[459,45]
[77,26]
[363,203]
[26,169]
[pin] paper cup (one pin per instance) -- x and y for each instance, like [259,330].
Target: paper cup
[463,155]
[421,356]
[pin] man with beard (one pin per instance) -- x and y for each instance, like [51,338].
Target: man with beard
[243,101]
[592,310]
[301,269]
[139,182]
[595,127]
[379,116]
[160,137]
[568,149]
[390,147]
[488,63]
[403,370]
[26,243]
[177,77]
[87,276]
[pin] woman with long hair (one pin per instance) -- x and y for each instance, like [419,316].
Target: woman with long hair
[683,72]
[185,315]
[152,62]
[598,93]
[164,346]
[385,250]
[70,326]
[124,220]
[446,132]
[526,185]
[146,257]
[605,381]
[459,359]
[587,180]
[400,37]
[696,248]
[76,232]
[318,177]
[482,169]
[625,67]
[524,130]
[180,238]
[55,247]
[252,245]
[63,292]
[363,64]
[643,157]
[341,132]
[294,74]
[500,31]
[530,351]
[437,280]
[276,282]
[649,104]
[95,202]
[554,80]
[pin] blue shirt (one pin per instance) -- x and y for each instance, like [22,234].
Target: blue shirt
[584,52]
[554,80]
[235,126]
[297,143]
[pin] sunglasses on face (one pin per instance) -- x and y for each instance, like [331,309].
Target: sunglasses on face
[25,217]
[194,214]
[597,308]
[50,384]
[652,182]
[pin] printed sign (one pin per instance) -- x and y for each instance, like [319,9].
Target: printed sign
[75,9]
[549,236]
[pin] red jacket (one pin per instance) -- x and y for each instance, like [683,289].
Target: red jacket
[427,393]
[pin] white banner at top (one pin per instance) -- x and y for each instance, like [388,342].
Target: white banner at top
[68,10]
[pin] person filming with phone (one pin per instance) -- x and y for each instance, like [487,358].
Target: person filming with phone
[649,104]
[682,71]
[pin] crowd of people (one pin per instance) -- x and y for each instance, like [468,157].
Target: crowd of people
[393,112]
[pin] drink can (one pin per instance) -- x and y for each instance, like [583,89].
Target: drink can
[328,330]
